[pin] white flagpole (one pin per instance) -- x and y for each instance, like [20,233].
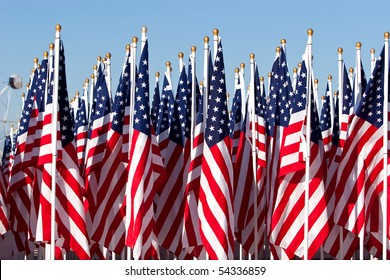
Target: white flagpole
[108,74]
[54,139]
[193,95]
[181,63]
[206,72]
[341,94]
[372,52]
[385,146]
[315,88]
[254,165]
[308,142]
[243,92]
[358,74]
[215,39]
[295,78]
[331,101]
[350,76]
[269,84]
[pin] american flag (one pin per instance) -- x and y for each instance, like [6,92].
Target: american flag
[6,162]
[245,197]
[347,108]
[236,119]
[277,119]
[191,239]
[70,218]
[165,112]
[20,189]
[332,245]
[325,123]
[108,227]
[216,191]
[81,129]
[170,204]
[99,124]
[4,223]
[362,158]
[142,173]
[287,227]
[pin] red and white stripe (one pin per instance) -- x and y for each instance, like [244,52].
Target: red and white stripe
[216,201]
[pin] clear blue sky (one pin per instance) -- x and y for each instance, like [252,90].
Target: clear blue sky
[92,28]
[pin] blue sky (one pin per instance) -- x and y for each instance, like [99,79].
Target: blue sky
[92,28]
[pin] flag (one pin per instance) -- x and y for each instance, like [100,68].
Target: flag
[143,172]
[236,118]
[357,195]
[216,191]
[81,130]
[325,124]
[108,227]
[347,108]
[165,112]
[191,239]
[287,223]
[99,125]
[244,198]
[170,204]
[70,217]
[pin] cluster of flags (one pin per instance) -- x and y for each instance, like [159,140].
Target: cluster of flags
[190,176]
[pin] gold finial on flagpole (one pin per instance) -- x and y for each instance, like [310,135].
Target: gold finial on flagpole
[51,46]
[387,35]
[92,77]
[252,56]
[358,45]
[35,60]
[283,41]
[95,67]
[58,27]
[295,70]
[215,32]
[329,77]
[372,51]
[128,47]
[181,55]
[201,83]
[168,64]
[351,70]
[242,65]
[157,75]
[99,58]
[193,49]
[135,39]
[316,81]
[206,39]
[108,55]
[278,50]
[340,50]
[261,79]
[310,32]
[236,70]
[45,54]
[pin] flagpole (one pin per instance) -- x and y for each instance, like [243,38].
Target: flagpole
[331,101]
[243,93]
[133,51]
[340,96]
[358,74]
[254,167]
[308,141]
[385,145]
[108,74]
[193,95]
[372,52]
[295,78]
[350,76]
[206,72]
[54,138]
[216,38]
